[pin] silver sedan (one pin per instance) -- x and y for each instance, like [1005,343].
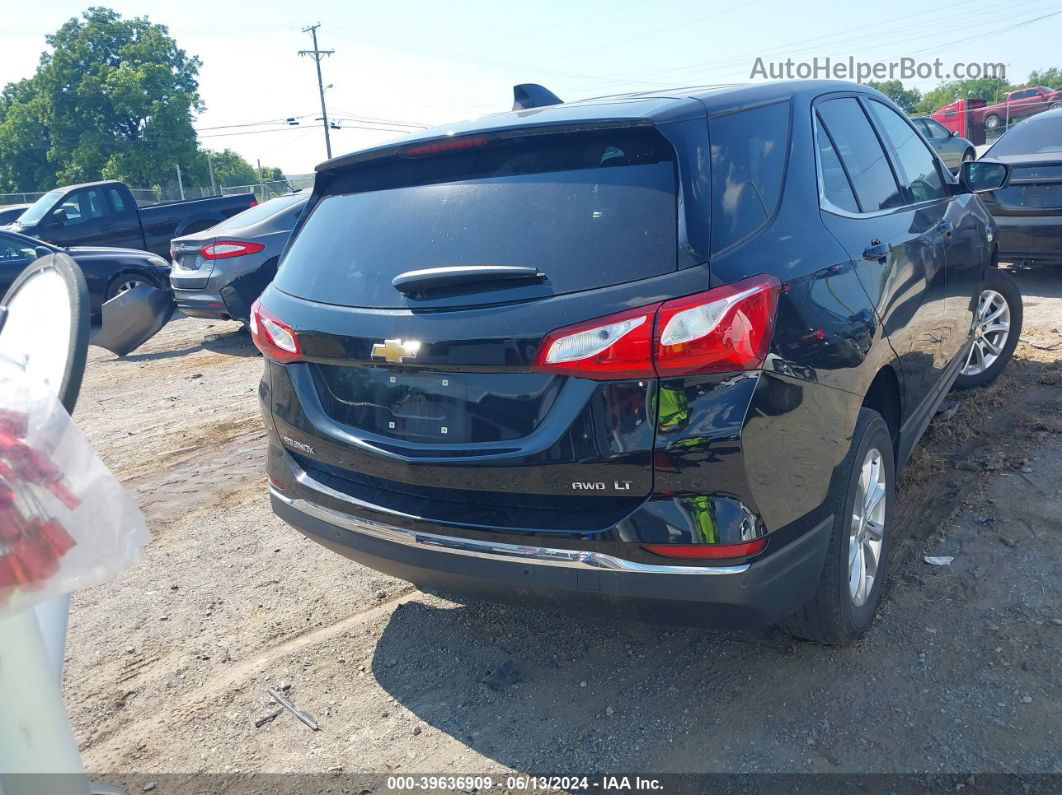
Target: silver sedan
[952,148]
[219,272]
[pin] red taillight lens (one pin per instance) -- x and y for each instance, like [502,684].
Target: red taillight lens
[617,346]
[253,203]
[722,330]
[707,551]
[224,249]
[273,337]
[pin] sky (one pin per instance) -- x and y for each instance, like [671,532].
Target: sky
[420,62]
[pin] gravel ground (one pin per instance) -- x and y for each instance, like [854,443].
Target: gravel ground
[168,664]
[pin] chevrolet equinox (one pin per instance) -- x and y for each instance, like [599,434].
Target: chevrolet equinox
[655,356]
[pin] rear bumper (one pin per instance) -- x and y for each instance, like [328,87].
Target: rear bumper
[201,303]
[603,585]
[1024,237]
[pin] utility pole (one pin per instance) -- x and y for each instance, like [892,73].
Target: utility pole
[180,182]
[317,54]
[261,179]
[210,168]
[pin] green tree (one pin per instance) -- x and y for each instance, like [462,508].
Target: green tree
[112,98]
[1052,78]
[24,139]
[272,174]
[230,168]
[991,89]
[906,98]
[121,96]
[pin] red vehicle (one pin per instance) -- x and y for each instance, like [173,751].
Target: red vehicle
[961,117]
[1019,104]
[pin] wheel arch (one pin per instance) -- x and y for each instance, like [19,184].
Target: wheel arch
[885,397]
[132,271]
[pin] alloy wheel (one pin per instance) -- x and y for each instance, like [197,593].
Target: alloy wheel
[128,285]
[991,330]
[867,532]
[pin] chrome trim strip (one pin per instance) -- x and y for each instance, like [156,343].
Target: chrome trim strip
[540,556]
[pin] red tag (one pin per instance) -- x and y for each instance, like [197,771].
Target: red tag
[55,536]
[14,423]
[35,559]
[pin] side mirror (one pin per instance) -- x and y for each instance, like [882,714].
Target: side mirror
[59,217]
[983,176]
[952,133]
[41,251]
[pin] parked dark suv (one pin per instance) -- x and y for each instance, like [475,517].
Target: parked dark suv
[651,356]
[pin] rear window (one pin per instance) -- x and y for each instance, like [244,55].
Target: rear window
[748,163]
[857,145]
[1034,136]
[261,212]
[587,209]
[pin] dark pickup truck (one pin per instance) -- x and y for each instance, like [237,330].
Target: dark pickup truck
[107,214]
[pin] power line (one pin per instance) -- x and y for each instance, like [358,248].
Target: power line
[945,23]
[253,132]
[316,53]
[991,32]
[394,122]
[252,123]
[372,128]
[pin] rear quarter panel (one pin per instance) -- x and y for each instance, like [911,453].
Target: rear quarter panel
[827,348]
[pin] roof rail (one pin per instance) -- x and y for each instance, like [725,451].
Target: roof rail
[532,95]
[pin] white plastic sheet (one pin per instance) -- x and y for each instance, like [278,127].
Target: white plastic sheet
[65,521]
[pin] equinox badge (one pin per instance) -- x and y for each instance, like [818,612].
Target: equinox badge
[395,351]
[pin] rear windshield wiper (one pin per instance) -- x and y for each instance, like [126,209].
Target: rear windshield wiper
[456,276]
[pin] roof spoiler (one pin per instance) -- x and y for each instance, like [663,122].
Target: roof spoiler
[532,95]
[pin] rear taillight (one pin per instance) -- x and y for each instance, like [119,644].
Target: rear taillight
[707,551]
[273,337]
[723,330]
[225,249]
[726,329]
[619,346]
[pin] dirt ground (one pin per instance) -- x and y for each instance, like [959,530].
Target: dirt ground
[168,664]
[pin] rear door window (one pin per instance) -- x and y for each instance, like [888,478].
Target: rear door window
[748,164]
[921,173]
[587,209]
[836,188]
[860,150]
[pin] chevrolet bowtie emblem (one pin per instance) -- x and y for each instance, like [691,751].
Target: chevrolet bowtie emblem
[395,351]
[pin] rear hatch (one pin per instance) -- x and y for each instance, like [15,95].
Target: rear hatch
[417,389]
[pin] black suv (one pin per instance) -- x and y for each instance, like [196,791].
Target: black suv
[654,356]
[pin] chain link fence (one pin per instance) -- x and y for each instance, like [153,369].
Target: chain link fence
[263,191]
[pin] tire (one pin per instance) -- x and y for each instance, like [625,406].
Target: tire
[1054,106]
[838,613]
[998,287]
[992,121]
[123,281]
